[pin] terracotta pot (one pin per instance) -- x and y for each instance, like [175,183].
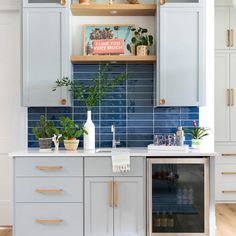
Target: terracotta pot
[84,2]
[45,144]
[142,50]
[71,145]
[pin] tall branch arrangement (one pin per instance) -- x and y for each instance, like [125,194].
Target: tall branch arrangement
[93,94]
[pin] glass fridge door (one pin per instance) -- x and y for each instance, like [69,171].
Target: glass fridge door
[178,196]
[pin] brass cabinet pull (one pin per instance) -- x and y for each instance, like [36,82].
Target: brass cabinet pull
[116,193]
[228,155]
[41,221]
[228,97]
[63,101]
[232,38]
[232,97]
[49,168]
[63,2]
[162,101]
[110,194]
[228,173]
[162,2]
[49,190]
[228,191]
[228,43]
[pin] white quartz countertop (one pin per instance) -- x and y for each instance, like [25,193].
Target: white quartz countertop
[134,152]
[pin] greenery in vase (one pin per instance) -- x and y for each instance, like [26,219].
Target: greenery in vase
[197,132]
[44,128]
[141,37]
[92,95]
[70,130]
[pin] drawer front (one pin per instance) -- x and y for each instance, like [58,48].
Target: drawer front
[49,166]
[48,219]
[102,166]
[226,191]
[225,173]
[49,189]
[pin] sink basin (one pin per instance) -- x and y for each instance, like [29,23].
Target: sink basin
[109,150]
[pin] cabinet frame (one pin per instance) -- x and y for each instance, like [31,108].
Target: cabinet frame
[60,4]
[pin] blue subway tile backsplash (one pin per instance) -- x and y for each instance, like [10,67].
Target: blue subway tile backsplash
[129,107]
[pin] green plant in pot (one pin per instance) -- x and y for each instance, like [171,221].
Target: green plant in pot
[197,134]
[44,131]
[70,133]
[140,42]
[91,95]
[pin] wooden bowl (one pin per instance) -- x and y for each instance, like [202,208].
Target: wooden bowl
[133,1]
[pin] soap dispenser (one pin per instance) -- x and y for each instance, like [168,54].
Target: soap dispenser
[180,136]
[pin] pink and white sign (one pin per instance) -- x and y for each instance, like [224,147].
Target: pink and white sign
[108,46]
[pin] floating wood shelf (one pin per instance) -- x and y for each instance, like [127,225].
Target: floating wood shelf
[134,59]
[114,10]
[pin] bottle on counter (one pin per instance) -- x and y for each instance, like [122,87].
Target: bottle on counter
[170,220]
[158,220]
[180,136]
[164,220]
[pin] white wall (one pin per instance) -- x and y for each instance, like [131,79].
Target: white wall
[207,112]
[12,115]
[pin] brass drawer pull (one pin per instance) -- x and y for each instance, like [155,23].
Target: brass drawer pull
[228,43]
[49,221]
[49,190]
[228,173]
[228,191]
[162,2]
[229,155]
[228,97]
[63,101]
[49,168]
[232,97]
[232,38]
[110,194]
[116,193]
[162,101]
[63,2]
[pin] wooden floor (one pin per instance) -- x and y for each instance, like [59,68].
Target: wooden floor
[225,221]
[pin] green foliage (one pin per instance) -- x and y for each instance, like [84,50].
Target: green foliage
[141,37]
[70,130]
[197,132]
[44,129]
[92,95]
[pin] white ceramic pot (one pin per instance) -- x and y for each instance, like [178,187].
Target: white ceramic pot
[196,143]
[89,139]
[71,145]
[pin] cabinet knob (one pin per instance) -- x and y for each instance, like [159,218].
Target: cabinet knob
[162,101]
[63,2]
[63,101]
[162,2]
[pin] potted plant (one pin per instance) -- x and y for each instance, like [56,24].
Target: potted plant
[44,131]
[91,95]
[197,133]
[84,2]
[140,42]
[70,132]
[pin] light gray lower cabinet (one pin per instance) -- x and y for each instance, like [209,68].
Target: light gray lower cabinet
[45,56]
[114,206]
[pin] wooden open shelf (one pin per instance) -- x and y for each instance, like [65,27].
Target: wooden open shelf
[114,9]
[132,59]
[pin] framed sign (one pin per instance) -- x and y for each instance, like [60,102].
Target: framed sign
[107,39]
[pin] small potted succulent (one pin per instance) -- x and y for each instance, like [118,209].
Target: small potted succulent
[70,132]
[140,42]
[197,133]
[84,2]
[44,131]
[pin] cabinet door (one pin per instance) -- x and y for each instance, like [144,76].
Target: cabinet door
[181,3]
[222,37]
[45,56]
[233,89]
[222,110]
[232,28]
[45,3]
[99,206]
[182,66]
[129,212]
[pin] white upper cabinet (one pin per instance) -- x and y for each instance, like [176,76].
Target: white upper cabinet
[45,56]
[222,86]
[223,2]
[182,57]
[232,28]
[45,3]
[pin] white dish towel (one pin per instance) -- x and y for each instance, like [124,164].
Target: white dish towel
[120,161]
